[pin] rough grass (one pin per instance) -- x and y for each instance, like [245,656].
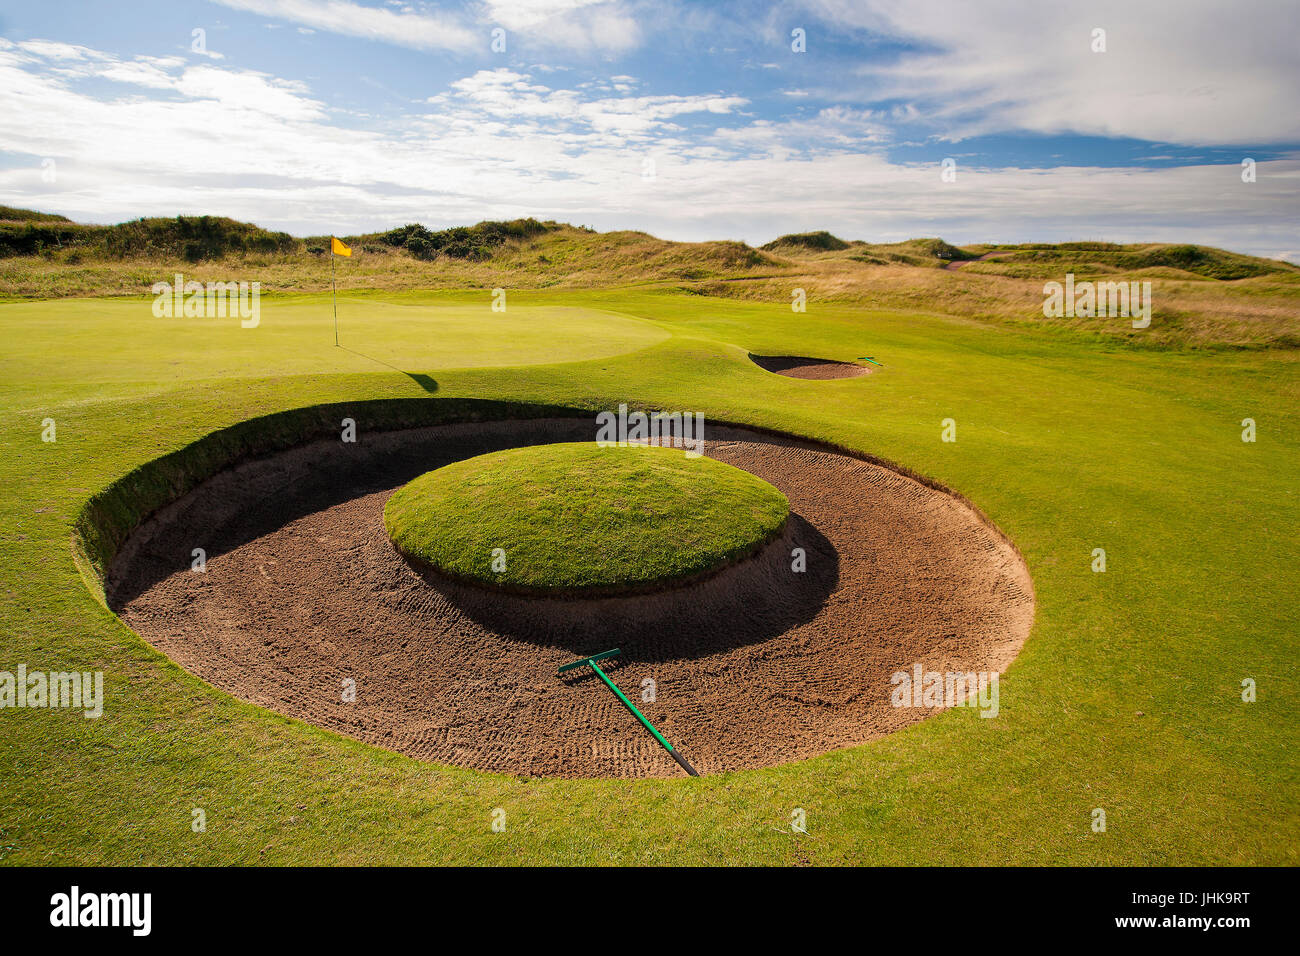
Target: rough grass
[13,214]
[576,517]
[1127,696]
[185,238]
[1202,297]
[821,241]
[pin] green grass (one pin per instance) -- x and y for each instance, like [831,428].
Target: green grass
[1127,695]
[396,333]
[579,516]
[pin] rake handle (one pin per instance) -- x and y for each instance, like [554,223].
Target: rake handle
[681,761]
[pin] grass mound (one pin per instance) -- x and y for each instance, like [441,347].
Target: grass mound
[821,241]
[1103,258]
[578,517]
[14,214]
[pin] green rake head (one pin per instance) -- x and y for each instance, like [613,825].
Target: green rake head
[586,661]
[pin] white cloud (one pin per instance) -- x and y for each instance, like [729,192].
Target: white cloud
[504,94]
[834,128]
[139,73]
[605,25]
[52,50]
[245,90]
[421,31]
[521,14]
[499,144]
[1182,71]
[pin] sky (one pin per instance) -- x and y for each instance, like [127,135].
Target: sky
[1120,121]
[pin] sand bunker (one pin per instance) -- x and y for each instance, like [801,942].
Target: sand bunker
[304,596]
[800,366]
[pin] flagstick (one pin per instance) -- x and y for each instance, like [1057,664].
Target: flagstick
[334,285]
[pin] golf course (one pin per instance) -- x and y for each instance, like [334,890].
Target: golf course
[1055,441]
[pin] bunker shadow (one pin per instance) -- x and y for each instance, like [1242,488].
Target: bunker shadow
[259,497]
[749,602]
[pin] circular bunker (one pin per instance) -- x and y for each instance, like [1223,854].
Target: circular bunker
[308,609]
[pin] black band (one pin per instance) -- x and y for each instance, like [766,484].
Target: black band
[683,764]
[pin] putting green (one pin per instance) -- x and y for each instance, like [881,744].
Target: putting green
[120,340]
[581,517]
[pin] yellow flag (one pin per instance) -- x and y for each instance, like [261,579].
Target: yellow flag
[338,248]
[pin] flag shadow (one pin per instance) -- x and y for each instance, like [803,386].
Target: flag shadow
[425,382]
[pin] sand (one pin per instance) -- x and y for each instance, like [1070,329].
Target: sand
[801,366]
[753,667]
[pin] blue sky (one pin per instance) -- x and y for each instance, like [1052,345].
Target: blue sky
[687,120]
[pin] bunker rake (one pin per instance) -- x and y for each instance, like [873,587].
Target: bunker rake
[591,662]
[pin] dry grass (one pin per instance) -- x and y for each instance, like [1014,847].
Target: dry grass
[1261,311]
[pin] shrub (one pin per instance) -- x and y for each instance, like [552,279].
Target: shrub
[817,241]
[1212,263]
[462,242]
[420,247]
[944,250]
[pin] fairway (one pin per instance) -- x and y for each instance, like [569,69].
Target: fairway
[1127,694]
